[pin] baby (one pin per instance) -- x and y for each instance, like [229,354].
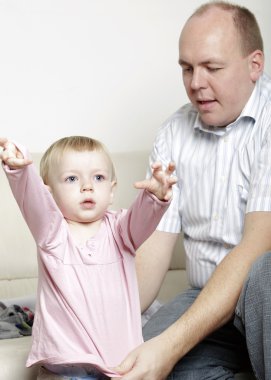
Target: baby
[87,316]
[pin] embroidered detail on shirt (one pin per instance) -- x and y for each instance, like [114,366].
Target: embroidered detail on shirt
[90,244]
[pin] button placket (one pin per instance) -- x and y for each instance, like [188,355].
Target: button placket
[224,149]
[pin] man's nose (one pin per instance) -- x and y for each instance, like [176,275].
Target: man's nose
[198,80]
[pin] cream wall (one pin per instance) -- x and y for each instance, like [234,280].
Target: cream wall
[102,68]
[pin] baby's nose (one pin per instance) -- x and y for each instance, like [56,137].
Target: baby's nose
[87,187]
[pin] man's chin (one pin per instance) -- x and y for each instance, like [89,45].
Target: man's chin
[212,122]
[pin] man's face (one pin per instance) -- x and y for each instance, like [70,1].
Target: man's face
[216,76]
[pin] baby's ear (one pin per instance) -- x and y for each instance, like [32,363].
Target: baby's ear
[48,188]
[113,188]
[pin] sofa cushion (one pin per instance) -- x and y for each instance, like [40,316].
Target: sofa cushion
[12,369]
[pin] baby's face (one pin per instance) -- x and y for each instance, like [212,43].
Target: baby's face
[82,186]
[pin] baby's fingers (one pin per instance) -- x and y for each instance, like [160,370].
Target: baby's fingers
[172,180]
[171,168]
[142,184]
[16,163]
[3,141]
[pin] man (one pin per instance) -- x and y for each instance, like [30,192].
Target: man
[221,144]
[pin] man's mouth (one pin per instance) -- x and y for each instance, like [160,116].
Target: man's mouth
[205,105]
[203,101]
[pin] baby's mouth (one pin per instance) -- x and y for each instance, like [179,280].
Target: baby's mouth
[88,203]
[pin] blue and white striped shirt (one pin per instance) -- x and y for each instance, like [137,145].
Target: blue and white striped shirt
[223,173]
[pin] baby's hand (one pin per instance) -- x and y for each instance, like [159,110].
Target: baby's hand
[161,182]
[11,156]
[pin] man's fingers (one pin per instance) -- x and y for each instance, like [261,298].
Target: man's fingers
[126,365]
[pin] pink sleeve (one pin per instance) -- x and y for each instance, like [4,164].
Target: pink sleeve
[35,202]
[141,219]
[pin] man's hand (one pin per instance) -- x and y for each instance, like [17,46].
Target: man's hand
[152,360]
[161,182]
[11,156]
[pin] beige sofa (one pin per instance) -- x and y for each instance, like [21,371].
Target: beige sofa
[18,268]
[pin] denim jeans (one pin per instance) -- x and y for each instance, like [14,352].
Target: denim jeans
[44,374]
[219,356]
[253,316]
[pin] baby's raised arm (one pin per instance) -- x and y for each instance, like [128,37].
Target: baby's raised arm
[161,182]
[11,155]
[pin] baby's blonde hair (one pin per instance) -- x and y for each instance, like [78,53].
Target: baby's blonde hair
[72,143]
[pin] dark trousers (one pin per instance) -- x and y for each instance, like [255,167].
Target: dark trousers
[219,356]
[253,316]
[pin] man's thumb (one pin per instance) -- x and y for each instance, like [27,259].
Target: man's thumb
[125,366]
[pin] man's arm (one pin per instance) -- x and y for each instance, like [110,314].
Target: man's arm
[215,305]
[152,262]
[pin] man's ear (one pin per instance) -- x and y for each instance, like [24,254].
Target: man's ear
[113,189]
[256,65]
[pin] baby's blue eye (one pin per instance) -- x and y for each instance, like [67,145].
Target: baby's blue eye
[71,178]
[99,177]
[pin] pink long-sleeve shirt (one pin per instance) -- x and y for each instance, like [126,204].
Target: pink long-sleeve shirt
[88,310]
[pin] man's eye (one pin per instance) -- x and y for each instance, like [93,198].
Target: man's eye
[213,69]
[99,177]
[187,69]
[71,178]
